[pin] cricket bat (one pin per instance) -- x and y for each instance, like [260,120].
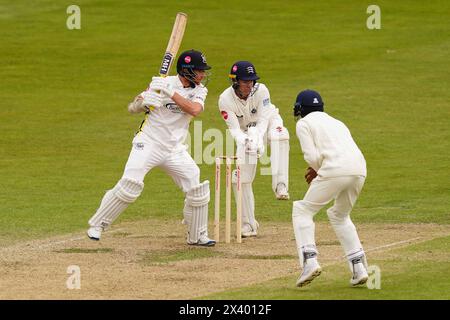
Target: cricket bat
[174,43]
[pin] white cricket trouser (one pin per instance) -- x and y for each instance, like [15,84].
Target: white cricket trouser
[147,154]
[345,190]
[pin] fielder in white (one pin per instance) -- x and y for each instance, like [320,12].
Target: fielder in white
[252,119]
[169,103]
[337,170]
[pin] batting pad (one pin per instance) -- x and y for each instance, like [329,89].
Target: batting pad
[198,199]
[279,156]
[248,201]
[115,201]
[187,213]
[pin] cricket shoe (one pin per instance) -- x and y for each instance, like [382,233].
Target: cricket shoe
[203,241]
[248,231]
[360,275]
[311,270]
[95,233]
[282,192]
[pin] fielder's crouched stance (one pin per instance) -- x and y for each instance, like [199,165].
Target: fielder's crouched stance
[159,143]
[337,170]
[252,119]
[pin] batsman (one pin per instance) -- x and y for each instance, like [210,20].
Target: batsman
[170,103]
[252,119]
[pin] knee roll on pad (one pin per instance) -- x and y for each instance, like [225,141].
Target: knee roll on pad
[279,134]
[199,195]
[129,190]
[115,201]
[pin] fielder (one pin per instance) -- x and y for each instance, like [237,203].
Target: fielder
[337,170]
[159,143]
[252,119]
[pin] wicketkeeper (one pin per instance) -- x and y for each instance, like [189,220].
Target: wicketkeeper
[169,103]
[252,119]
[337,170]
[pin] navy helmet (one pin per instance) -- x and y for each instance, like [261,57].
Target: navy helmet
[307,101]
[189,61]
[243,70]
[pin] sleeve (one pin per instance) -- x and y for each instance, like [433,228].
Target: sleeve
[266,109]
[232,122]
[310,152]
[200,96]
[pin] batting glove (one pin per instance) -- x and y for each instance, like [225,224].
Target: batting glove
[162,85]
[151,99]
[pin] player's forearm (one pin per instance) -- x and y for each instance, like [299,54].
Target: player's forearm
[238,135]
[310,153]
[233,126]
[193,108]
[262,125]
[136,105]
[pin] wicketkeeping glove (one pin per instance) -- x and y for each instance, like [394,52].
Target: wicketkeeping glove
[162,85]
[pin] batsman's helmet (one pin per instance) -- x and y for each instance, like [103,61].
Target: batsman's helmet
[242,70]
[189,61]
[307,101]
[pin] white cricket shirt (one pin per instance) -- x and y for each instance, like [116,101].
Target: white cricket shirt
[169,125]
[328,146]
[241,114]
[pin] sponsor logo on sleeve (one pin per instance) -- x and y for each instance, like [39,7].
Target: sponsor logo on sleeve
[266,102]
[224,115]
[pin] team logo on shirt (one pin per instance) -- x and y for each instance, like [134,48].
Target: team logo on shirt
[224,115]
[139,146]
[173,107]
[266,102]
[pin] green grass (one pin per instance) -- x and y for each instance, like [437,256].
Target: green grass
[167,256]
[85,250]
[419,271]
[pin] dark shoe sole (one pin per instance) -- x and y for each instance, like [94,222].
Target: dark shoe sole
[311,278]
[362,281]
[92,238]
[208,244]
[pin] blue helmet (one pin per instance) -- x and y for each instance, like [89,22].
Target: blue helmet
[188,62]
[243,70]
[307,101]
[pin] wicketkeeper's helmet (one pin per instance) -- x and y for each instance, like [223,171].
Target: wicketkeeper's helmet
[243,70]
